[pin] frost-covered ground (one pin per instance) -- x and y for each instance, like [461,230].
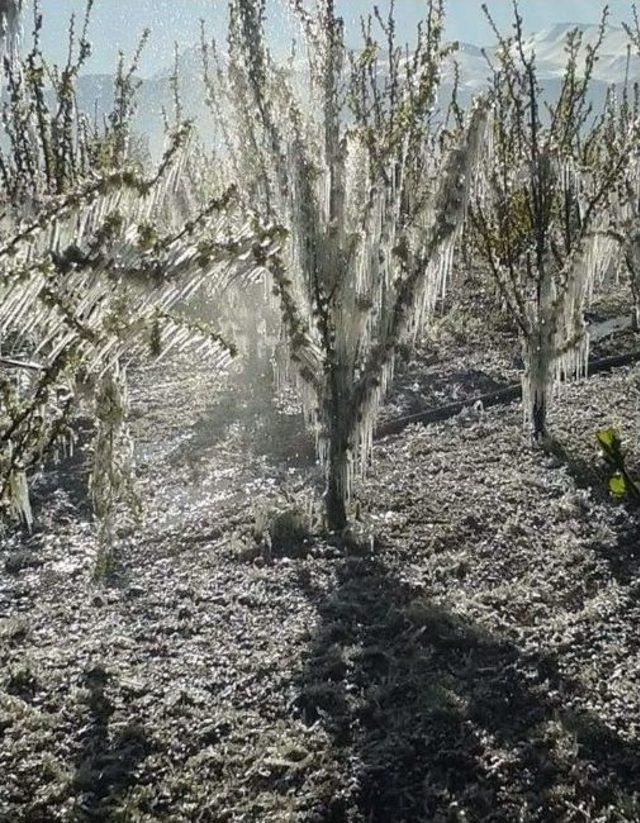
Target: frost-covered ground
[478,659]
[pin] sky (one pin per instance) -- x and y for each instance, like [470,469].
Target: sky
[117,24]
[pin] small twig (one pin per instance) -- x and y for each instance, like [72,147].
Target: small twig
[9,363]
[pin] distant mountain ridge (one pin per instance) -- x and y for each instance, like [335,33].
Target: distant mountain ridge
[549,45]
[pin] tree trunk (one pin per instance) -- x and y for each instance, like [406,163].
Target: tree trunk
[635,317]
[336,493]
[539,356]
[538,384]
[632,259]
[338,489]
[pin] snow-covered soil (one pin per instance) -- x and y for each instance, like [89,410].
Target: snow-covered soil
[474,655]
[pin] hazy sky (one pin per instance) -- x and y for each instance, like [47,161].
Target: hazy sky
[118,23]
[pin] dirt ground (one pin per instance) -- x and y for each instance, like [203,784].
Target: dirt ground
[473,656]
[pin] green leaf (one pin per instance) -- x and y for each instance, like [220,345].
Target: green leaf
[611,445]
[618,485]
[609,439]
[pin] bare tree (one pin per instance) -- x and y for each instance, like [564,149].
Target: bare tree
[623,113]
[348,171]
[541,220]
[10,15]
[96,251]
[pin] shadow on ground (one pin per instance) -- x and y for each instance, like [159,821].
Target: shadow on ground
[108,758]
[623,557]
[433,719]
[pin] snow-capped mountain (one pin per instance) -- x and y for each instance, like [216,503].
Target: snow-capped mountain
[549,46]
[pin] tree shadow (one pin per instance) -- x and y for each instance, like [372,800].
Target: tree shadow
[585,474]
[107,762]
[623,556]
[432,718]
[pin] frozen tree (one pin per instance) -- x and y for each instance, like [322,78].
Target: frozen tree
[541,219]
[629,238]
[624,226]
[347,168]
[10,15]
[627,234]
[96,253]
[623,112]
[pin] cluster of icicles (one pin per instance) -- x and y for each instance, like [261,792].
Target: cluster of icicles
[559,346]
[461,177]
[368,290]
[10,11]
[87,298]
[90,291]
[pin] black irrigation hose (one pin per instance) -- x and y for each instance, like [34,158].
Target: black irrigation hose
[507,394]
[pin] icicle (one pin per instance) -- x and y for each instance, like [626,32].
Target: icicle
[19,497]
[10,13]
